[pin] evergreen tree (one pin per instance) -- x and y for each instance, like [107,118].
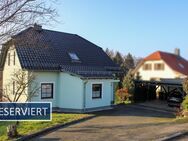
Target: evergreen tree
[129,62]
[110,53]
[126,63]
[128,82]
[118,59]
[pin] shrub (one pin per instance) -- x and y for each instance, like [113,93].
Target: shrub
[185,88]
[122,95]
[185,85]
[128,83]
[185,103]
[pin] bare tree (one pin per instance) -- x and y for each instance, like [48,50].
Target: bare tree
[16,15]
[22,86]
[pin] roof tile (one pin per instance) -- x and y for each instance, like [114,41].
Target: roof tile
[48,50]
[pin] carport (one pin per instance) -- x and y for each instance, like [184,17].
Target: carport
[147,90]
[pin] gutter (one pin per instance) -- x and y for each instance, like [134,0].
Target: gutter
[84,96]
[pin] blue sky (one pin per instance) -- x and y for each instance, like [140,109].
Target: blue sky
[136,26]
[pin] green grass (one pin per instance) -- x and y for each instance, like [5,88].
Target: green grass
[28,127]
[117,101]
[181,120]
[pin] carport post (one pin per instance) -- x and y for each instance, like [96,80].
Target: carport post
[148,87]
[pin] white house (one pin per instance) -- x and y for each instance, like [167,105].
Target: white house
[72,73]
[162,65]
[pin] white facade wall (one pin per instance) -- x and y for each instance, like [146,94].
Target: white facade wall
[46,77]
[8,72]
[107,94]
[67,92]
[149,74]
[70,92]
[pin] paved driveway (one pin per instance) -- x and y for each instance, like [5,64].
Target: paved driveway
[131,123]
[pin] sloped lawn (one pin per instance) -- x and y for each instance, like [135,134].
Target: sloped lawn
[28,127]
[182,120]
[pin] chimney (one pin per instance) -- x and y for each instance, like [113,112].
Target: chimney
[37,27]
[177,51]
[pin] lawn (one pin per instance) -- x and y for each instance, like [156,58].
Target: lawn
[28,127]
[182,120]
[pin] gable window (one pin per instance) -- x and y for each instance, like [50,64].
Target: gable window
[96,91]
[74,57]
[46,90]
[8,59]
[14,61]
[147,67]
[159,66]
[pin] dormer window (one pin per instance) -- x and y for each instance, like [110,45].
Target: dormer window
[181,65]
[74,57]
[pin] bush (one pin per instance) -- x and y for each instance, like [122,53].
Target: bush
[122,95]
[185,103]
[128,82]
[185,85]
[182,112]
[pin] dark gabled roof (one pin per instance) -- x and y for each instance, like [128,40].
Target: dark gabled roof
[48,50]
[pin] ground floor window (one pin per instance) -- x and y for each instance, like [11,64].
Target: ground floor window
[46,90]
[96,91]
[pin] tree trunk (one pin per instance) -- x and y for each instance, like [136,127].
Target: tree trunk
[12,130]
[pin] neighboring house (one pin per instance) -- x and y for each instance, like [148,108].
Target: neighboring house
[73,73]
[162,65]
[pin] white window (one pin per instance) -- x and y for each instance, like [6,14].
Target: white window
[96,91]
[47,90]
[73,56]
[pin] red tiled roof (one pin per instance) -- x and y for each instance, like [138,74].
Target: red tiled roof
[177,63]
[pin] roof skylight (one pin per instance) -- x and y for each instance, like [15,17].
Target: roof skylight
[181,65]
[73,56]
